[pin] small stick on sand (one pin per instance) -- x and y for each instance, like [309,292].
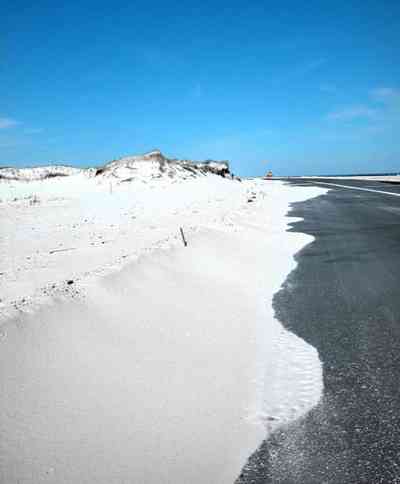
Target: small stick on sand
[61,250]
[183,237]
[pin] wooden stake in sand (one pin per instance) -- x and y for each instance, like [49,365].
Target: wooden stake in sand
[183,237]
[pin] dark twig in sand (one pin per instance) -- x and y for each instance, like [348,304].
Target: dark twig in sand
[183,237]
[61,250]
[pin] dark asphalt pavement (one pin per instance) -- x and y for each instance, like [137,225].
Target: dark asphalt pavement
[344,299]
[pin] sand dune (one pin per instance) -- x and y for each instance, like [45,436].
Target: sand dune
[159,363]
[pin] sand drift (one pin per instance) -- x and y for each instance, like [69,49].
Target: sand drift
[163,366]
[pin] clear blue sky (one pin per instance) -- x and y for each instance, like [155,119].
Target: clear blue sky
[299,87]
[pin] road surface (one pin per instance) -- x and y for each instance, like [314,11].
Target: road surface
[344,299]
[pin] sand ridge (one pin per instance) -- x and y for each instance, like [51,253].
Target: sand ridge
[166,365]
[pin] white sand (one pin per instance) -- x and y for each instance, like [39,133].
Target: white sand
[160,364]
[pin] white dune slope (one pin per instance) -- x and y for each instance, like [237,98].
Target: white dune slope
[171,369]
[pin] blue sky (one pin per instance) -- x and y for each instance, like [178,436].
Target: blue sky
[299,87]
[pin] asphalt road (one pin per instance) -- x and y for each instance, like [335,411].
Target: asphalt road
[344,299]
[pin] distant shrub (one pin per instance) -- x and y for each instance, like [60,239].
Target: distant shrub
[99,171]
[54,175]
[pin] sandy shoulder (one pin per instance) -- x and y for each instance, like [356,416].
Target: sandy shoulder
[169,366]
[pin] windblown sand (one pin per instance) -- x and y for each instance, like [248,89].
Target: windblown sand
[160,363]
